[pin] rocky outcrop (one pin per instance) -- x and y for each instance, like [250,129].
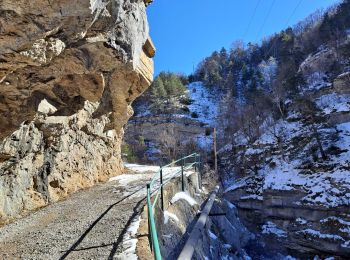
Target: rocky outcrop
[342,82]
[69,72]
[171,131]
[291,182]
[302,231]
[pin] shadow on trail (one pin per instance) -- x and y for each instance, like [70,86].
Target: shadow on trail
[92,247]
[115,244]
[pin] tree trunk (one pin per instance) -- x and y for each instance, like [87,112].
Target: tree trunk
[280,108]
[317,136]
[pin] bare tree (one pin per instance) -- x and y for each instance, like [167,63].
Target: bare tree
[313,119]
[227,120]
[170,142]
[279,132]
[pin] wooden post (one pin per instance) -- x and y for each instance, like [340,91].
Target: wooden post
[200,172]
[215,152]
[182,175]
[161,188]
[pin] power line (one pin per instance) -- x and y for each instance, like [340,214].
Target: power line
[251,19]
[265,19]
[290,17]
[293,12]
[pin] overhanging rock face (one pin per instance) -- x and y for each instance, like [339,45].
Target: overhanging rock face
[69,72]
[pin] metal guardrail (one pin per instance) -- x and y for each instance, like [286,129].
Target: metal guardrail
[197,231]
[156,186]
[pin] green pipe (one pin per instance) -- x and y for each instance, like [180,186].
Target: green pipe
[152,226]
[155,244]
[170,164]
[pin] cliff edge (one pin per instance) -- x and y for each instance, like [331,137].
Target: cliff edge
[69,72]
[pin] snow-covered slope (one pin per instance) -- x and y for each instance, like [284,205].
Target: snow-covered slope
[190,123]
[295,174]
[204,104]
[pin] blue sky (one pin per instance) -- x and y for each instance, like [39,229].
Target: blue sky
[186,31]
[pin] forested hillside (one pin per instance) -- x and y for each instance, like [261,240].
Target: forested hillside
[284,131]
[264,79]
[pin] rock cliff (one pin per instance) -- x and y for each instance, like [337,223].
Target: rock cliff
[69,72]
[287,170]
[290,194]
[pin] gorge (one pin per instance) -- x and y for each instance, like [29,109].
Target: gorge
[84,127]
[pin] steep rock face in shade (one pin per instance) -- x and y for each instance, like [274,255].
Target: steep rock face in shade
[69,72]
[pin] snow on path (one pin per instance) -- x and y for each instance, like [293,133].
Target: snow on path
[90,224]
[96,223]
[141,168]
[130,241]
[142,174]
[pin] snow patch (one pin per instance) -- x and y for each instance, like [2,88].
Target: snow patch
[317,234]
[212,235]
[230,205]
[317,81]
[268,70]
[334,102]
[270,228]
[283,176]
[130,241]
[227,246]
[341,221]
[183,196]
[285,173]
[252,197]
[141,168]
[346,244]
[204,103]
[168,215]
[238,184]
[288,257]
[125,179]
[226,148]
[301,221]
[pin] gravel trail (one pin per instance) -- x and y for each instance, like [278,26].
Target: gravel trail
[89,224]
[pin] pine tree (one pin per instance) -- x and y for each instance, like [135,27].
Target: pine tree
[157,88]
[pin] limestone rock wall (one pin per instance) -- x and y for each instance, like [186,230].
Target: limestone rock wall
[69,71]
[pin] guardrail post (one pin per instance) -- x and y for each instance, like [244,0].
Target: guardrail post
[200,171]
[182,175]
[161,188]
[148,218]
[195,163]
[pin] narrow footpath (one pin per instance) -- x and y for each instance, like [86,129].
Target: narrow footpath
[96,223]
